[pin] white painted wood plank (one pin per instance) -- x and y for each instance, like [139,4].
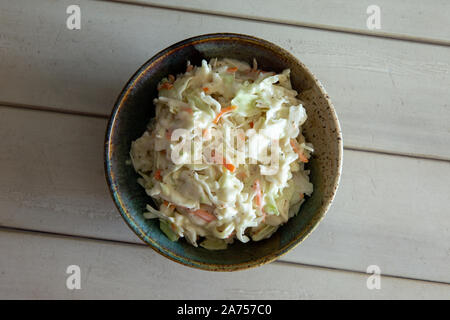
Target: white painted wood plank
[33,266]
[390,95]
[391,211]
[423,20]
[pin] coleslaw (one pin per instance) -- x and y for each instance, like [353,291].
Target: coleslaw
[224,158]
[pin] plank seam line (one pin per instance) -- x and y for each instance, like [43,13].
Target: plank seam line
[103,116]
[360,272]
[392,153]
[120,242]
[53,110]
[315,26]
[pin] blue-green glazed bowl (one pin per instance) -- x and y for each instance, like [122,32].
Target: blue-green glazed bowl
[134,108]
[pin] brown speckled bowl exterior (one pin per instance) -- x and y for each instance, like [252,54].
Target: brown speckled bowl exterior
[134,108]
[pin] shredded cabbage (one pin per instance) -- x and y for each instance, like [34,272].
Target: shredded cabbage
[210,182]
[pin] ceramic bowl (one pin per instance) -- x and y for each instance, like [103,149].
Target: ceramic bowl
[134,108]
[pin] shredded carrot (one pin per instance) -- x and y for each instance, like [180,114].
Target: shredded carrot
[301,155]
[168,205]
[294,146]
[205,215]
[222,112]
[158,175]
[205,89]
[166,85]
[303,158]
[257,187]
[169,134]
[206,133]
[232,69]
[189,68]
[252,124]
[264,215]
[259,198]
[222,160]
[229,166]
[188,110]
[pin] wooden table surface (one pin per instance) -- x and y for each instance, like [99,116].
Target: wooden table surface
[391,89]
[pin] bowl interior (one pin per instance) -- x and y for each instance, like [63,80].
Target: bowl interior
[134,108]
